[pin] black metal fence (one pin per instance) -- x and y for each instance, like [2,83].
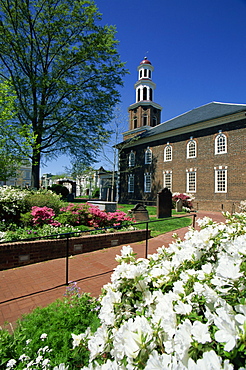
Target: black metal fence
[69,235]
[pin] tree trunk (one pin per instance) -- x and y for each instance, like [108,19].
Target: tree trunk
[35,169]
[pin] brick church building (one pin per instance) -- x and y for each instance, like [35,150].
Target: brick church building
[201,152]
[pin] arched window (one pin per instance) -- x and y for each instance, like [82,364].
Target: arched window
[145,73]
[138,94]
[131,184]
[191,149]
[220,144]
[145,93]
[135,122]
[140,74]
[167,153]
[149,73]
[148,156]
[147,182]
[150,94]
[154,121]
[132,159]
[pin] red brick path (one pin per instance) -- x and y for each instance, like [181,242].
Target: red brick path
[91,271]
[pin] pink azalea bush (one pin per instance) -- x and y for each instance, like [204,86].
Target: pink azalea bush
[186,198]
[90,215]
[75,214]
[103,219]
[43,215]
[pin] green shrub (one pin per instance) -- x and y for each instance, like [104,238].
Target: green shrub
[26,219]
[73,314]
[67,218]
[38,232]
[44,198]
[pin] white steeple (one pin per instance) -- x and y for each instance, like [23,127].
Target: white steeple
[145,86]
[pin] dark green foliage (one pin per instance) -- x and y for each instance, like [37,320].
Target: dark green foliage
[60,189]
[96,193]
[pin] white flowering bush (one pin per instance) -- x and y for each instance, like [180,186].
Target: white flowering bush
[11,200]
[182,308]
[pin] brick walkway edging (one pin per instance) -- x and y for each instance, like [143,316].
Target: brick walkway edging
[24,253]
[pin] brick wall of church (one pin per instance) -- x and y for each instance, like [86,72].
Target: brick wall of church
[205,197]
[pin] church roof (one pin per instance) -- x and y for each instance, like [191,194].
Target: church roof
[203,113]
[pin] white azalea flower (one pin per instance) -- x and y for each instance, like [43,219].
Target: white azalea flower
[11,363]
[200,332]
[106,313]
[207,268]
[131,338]
[241,317]
[97,343]
[158,362]
[228,268]
[78,338]
[227,332]
[182,308]
[178,287]
[182,340]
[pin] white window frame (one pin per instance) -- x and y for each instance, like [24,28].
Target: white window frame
[167,183]
[191,153]
[168,153]
[131,183]
[220,144]
[147,182]
[131,161]
[191,181]
[220,179]
[148,156]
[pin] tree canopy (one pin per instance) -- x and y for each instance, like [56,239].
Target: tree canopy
[65,71]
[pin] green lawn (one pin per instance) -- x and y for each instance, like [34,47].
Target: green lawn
[163,225]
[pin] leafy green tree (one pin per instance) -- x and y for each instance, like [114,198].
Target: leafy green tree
[65,70]
[9,157]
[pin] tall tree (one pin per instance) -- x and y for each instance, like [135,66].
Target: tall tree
[65,70]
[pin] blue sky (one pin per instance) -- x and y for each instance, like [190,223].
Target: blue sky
[197,47]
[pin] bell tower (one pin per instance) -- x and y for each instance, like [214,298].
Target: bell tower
[144,113]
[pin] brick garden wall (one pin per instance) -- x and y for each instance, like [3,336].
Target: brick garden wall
[24,253]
